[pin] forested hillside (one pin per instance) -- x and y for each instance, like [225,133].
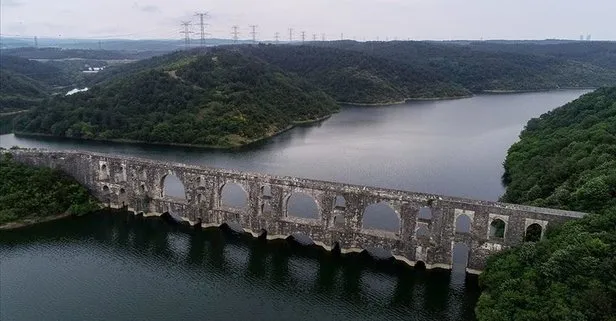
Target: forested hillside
[564,159]
[221,99]
[22,83]
[489,70]
[356,77]
[598,53]
[28,193]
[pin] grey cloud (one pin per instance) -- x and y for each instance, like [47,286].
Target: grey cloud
[11,3]
[146,8]
[150,8]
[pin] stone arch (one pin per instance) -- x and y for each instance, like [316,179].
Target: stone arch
[266,191]
[233,226]
[379,253]
[104,172]
[338,220]
[497,228]
[533,233]
[460,254]
[339,203]
[233,195]
[425,213]
[266,208]
[463,224]
[172,186]
[302,205]
[106,195]
[302,238]
[123,197]
[122,172]
[381,216]
[422,232]
[420,265]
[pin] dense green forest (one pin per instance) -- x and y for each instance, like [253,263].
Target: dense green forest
[29,193]
[24,83]
[357,77]
[598,53]
[491,70]
[221,98]
[564,159]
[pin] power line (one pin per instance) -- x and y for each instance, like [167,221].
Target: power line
[235,33]
[254,33]
[186,33]
[202,16]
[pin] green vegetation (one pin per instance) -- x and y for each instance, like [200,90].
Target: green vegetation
[356,77]
[479,69]
[221,99]
[26,82]
[31,194]
[565,159]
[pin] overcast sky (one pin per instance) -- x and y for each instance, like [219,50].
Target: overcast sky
[357,19]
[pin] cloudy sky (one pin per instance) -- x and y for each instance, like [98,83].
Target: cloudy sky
[357,19]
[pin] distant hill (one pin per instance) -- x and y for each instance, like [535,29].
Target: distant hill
[44,73]
[23,83]
[47,53]
[356,77]
[481,69]
[598,53]
[221,98]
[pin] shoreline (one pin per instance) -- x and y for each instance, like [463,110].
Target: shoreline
[522,91]
[483,92]
[406,100]
[32,221]
[209,147]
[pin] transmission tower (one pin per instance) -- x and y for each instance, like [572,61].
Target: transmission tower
[341,36]
[202,16]
[186,32]
[314,37]
[277,36]
[235,33]
[35,42]
[303,36]
[322,37]
[254,33]
[290,34]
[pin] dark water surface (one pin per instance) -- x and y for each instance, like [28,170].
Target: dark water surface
[120,267]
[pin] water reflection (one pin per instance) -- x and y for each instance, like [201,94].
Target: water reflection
[314,283]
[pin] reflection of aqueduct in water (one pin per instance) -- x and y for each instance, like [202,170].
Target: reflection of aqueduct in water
[428,227]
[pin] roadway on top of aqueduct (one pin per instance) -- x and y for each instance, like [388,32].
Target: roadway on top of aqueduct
[428,227]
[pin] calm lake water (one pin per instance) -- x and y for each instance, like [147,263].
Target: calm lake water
[120,267]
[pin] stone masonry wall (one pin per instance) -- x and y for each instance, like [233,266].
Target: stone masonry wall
[137,184]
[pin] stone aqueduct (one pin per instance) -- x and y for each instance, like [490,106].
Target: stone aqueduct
[138,185]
